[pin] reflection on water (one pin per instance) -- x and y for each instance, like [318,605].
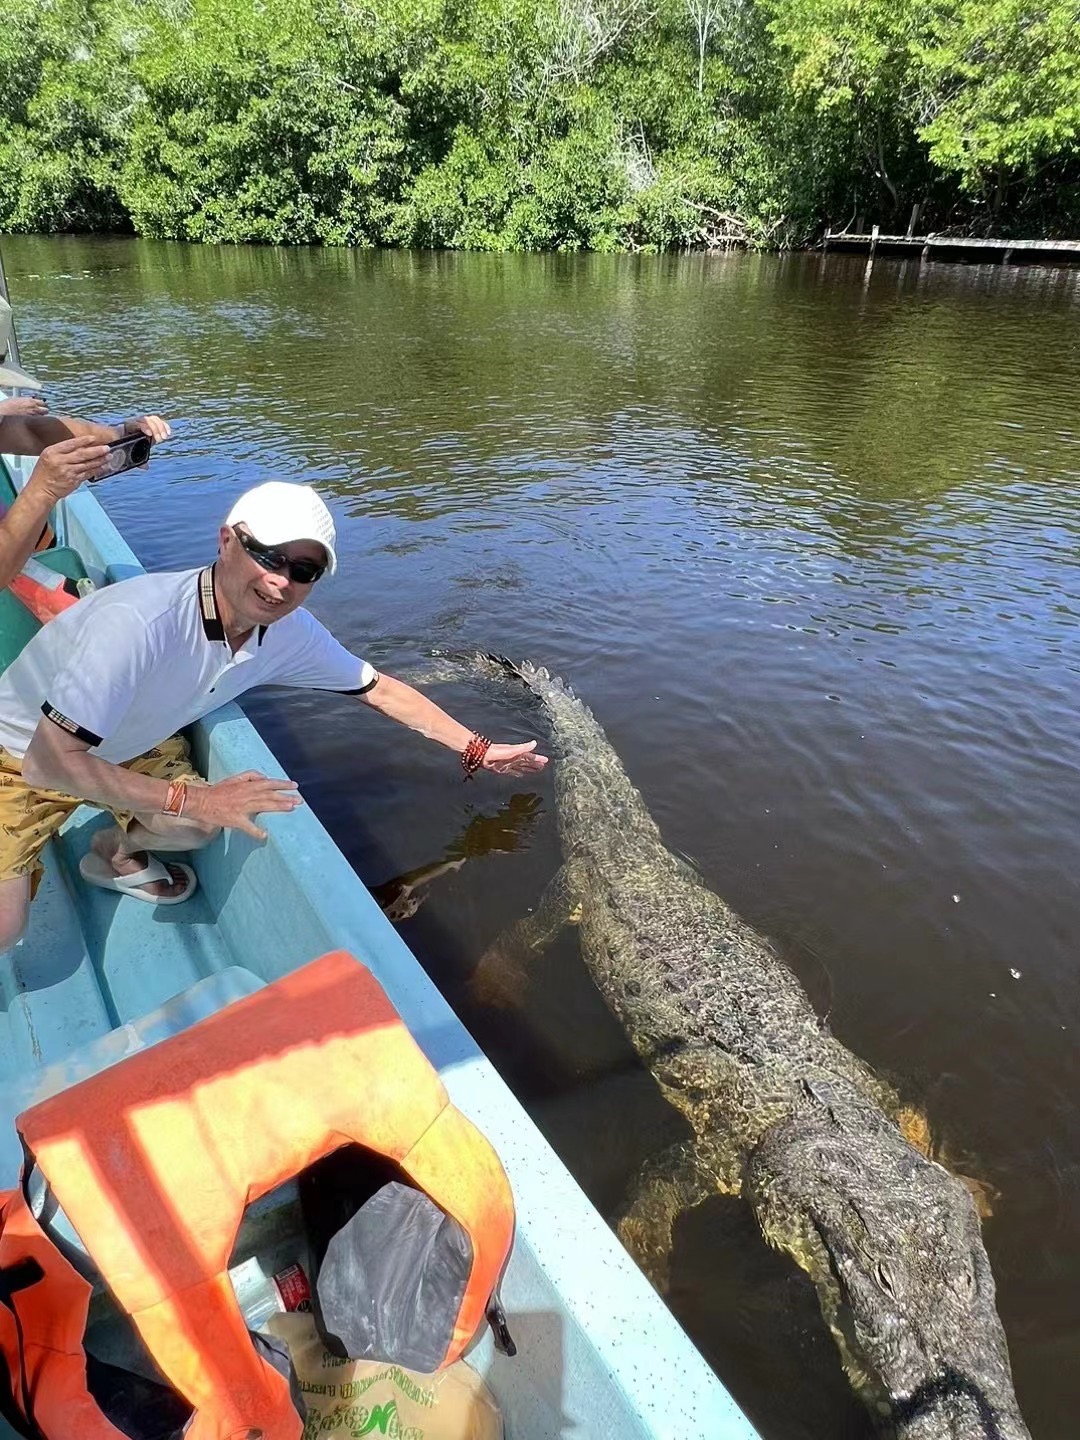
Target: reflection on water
[805,536]
[498,834]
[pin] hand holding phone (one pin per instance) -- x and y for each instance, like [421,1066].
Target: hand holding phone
[62,468]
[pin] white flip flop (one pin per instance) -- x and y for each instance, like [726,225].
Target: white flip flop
[96,870]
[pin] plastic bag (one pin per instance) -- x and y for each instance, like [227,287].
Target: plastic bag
[391,1282]
[347,1399]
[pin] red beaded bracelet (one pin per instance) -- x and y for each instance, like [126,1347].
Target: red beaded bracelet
[175,797]
[472,756]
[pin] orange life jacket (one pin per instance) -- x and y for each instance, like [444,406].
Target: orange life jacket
[44,592]
[155,1159]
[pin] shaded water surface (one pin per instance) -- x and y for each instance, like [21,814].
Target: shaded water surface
[806,538]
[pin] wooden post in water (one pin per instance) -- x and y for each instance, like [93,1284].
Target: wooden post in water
[915,212]
[873,239]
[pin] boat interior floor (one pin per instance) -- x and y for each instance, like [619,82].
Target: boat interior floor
[85,984]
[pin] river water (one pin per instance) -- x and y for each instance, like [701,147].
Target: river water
[805,535]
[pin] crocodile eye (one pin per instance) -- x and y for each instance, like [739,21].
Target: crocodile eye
[884,1279]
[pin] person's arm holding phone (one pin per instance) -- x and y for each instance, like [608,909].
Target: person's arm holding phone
[25,432]
[89,455]
[60,470]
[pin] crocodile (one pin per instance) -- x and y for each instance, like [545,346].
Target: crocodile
[779,1111]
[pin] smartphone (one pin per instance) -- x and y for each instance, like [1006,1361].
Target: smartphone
[124,454]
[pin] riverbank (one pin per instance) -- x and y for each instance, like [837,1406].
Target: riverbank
[965,249]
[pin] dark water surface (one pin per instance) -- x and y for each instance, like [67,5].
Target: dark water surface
[806,538]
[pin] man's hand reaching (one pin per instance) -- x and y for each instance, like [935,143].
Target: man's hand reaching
[513,759]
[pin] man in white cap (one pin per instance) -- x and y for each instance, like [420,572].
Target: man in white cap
[91,709]
[70,451]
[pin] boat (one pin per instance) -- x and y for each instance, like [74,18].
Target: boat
[598,1354]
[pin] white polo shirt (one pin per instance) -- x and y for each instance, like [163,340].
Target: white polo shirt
[133,663]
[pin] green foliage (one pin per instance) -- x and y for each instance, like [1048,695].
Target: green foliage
[1004,77]
[67,89]
[535,124]
[955,101]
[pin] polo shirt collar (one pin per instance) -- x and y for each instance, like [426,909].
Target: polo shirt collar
[213,629]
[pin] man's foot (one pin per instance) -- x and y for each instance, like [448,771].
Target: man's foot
[104,843]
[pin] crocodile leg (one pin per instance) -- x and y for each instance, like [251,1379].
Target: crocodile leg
[500,974]
[676,1179]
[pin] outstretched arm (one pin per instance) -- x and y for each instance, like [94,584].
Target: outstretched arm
[29,434]
[407,706]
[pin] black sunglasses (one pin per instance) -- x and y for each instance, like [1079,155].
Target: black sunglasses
[301,572]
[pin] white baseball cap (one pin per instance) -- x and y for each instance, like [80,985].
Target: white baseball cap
[11,375]
[277,513]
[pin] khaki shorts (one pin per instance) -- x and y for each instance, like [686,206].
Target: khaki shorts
[29,818]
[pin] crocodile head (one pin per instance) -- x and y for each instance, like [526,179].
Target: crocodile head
[892,1243]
